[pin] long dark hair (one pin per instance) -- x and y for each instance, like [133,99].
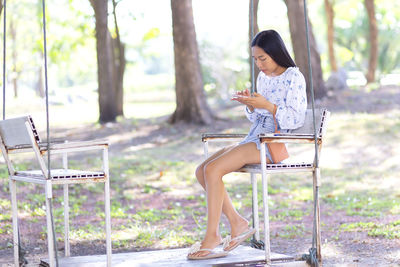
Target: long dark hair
[272,44]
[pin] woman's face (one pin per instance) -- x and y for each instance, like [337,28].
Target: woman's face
[265,63]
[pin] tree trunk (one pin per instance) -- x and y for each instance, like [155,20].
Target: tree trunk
[14,68]
[373,40]
[118,66]
[256,30]
[330,32]
[191,104]
[298,35]
[107,99]
[40,83]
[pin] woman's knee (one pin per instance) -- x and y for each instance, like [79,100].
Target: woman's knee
[211,172]
[199,172]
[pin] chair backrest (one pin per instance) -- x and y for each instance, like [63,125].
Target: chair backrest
[321,117]
[14,133]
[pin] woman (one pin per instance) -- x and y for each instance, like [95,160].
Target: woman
[281,90]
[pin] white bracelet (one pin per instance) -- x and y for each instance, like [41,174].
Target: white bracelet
[247,109]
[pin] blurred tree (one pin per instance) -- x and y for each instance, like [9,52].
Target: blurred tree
[295,9]
[255,28]
[119,61]
[38,48]
[107,96]
[330,33]
[352,38]
[15,66]
[373,40]
[191,104]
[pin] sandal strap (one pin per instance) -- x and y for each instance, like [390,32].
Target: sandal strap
[206,249]
[196,248]
[227,240]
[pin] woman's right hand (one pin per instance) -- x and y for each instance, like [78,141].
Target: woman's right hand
[242,96]
[245,93]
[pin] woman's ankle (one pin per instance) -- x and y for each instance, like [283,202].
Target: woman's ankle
[212,239]
[238,226]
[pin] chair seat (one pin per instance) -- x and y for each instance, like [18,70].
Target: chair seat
[59,174]
[280,167]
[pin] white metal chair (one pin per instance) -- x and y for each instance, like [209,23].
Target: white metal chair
[19,135]
[304,134]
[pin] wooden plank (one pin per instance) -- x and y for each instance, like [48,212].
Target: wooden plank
[171,257]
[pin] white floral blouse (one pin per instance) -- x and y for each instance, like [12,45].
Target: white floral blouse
[288,92]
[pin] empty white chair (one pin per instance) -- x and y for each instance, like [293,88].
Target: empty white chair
[19,135]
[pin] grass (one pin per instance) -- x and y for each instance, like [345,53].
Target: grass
[386,230]
[156,202]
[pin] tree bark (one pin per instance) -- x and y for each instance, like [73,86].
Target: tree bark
[331,33]
[191,104]
[373,38]
[40,83]
[107,107]
[295,9]
[14,68]
[251,36]
[118,66]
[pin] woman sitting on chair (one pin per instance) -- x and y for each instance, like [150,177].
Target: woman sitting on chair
[281,90]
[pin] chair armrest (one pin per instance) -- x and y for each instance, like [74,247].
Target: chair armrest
[221,137]
[287,138]
[57,148]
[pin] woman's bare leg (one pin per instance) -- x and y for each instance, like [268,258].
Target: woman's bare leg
[214,169]
[237,222]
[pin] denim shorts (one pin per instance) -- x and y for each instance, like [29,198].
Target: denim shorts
[263,124]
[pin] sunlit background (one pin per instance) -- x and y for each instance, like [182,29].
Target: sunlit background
[146,30]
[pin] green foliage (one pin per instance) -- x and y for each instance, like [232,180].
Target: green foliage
[151,34]
[352,33]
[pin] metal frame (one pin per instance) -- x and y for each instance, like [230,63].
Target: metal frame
[66,177]
[299,136]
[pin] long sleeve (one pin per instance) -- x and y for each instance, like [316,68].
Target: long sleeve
[253,116]
[291,111]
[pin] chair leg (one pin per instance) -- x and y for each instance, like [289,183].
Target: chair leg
[66,222]
[265,204]
[107,206]
[316,184]
[255,206]
[14,207]
[108,220]
[49,229]
[66,210]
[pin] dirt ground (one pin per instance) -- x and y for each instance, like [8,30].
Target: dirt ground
[352,249]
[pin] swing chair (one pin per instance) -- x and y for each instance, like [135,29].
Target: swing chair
[19,135]
[312,132]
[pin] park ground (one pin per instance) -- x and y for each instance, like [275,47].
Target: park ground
[157,204]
